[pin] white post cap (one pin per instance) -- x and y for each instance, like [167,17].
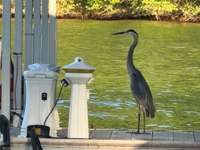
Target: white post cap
[78,66]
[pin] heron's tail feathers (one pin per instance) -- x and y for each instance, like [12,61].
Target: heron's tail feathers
[150,112]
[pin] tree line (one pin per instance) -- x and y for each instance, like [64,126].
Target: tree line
[182,10]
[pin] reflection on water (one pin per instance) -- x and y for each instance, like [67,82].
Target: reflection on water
[168,55]
[158,126]
[103,115]
[115,104]
[194,113]
[168,113]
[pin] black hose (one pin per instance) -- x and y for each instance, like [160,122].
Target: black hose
[36,145]
[17,114]
[5,130]
[64,83]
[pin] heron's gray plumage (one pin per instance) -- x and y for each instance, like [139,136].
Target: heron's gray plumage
[139,87]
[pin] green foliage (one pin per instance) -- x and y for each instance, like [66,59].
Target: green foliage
[182,10]
[129,6]
[101,6]
[159,7]
[183,2]
[81,7]
[187,10]
[64,7]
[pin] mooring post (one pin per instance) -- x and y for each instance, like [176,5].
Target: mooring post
[78,74]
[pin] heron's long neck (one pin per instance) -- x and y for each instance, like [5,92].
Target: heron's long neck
[130,65]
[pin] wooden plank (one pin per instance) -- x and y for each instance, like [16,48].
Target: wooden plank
[197,137]
[183,136]
[52,32]
[37,31]
[101,134]
[142,136]
[122,135]
[62,133]
[165,136]
[88,144]
[15,132]
[29,33]
[45,33]
[6,41]
[18,55]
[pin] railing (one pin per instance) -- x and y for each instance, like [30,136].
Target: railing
[40,44]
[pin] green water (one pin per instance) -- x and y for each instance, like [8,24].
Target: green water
[168,55]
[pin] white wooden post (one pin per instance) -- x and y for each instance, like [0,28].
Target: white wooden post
[18,55]
[6,38]
[78,74]
[78,112]
[45,33]
[52,31]
[37,31]
[29,33]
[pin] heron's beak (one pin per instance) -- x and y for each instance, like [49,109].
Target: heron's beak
[117,33]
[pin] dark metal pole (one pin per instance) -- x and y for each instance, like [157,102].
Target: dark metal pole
[5,130]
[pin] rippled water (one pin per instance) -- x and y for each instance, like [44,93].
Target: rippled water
[168,55]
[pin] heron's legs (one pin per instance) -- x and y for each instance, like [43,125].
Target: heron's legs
[138,127]
[144,123]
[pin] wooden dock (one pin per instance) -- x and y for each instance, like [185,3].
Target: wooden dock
[113,134]
[110,139]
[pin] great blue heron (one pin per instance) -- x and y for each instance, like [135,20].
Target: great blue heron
[139,85]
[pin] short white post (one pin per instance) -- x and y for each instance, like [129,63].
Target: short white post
[78,74]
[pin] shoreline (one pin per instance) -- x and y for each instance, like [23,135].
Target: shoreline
[129,17]
[112,17]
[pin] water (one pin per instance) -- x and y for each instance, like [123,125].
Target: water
[168,55]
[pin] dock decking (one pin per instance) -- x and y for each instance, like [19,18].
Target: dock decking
[110,139]
[113,134]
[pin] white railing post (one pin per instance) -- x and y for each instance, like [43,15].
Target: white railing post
[45,33]
[18,55]
[37,31]
[52,31]
[6,40]
[40,42]
[29,33]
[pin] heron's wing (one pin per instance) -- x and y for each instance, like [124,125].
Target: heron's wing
[141,91]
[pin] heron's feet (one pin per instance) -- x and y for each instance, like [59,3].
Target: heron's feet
[143,132]
[136,132]
[146,133]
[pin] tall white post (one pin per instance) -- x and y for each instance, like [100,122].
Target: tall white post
[78,114]
[78,74]
[6,41]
